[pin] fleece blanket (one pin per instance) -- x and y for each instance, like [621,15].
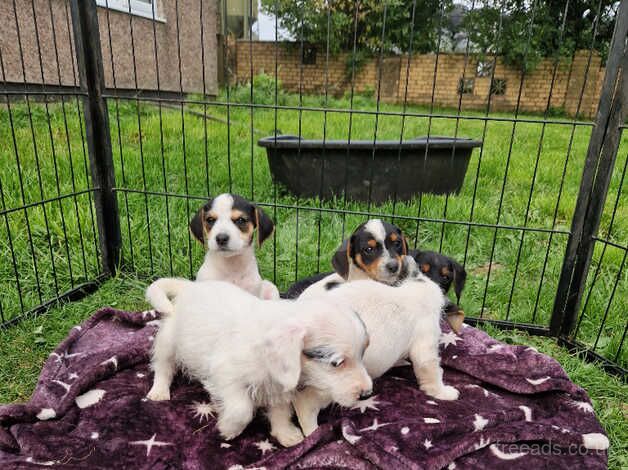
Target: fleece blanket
[517,409]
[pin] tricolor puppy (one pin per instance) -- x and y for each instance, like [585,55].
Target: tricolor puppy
[250,353]
[226,227]
[374,251]
[403,322]
[444,271]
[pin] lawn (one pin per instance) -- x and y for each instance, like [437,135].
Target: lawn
[526,175]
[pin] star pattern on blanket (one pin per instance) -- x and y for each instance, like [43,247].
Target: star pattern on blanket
[482,443]
[479,423]
[351,438]
[497,452]
[368,404]
[491,390]
[265,446]
[202,410]
[449,338]
[582,406]
[150,443]
[65,355]
[375,426]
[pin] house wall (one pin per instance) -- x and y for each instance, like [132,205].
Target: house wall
[422,80]
[119,64]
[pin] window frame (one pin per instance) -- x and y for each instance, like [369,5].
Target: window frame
[137,8]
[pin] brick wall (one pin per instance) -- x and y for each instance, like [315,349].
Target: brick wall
[532,94]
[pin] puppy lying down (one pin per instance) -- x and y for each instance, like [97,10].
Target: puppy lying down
[402,322]
[249,353]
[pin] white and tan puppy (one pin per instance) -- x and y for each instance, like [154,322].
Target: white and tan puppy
[250,353]
[226,226]
[402,322]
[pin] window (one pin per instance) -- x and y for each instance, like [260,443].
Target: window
[484,69]
[309,55]
[135,7]
[498,87]
[465,86]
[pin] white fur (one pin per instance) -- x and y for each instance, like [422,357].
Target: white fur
[249,353]
[403,322]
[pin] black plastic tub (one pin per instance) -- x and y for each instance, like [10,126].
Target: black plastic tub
[386,166]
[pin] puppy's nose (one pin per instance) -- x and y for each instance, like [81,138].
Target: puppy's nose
[222,239]
[366,394]
[392,266]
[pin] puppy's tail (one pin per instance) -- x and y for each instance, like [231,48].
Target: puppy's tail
[161,293]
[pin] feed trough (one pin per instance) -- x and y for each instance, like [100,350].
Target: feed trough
[309,168]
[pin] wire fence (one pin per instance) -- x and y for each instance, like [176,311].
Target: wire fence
[101,172]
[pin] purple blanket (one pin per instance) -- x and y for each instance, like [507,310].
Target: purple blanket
[517,409]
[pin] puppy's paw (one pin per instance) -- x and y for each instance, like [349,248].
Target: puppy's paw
[288,436]
[446,392]
[230,430]
[158,394]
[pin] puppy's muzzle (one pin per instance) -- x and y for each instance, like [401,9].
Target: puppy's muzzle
[392,266]
[222,239]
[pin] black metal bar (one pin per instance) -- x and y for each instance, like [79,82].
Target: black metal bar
[353,212]
[591,356]
[349,110]
[90,65]
[596,177]
[76,293]
[535,330]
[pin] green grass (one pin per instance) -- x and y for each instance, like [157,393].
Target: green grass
[25,347]
[55,242]
[155,232]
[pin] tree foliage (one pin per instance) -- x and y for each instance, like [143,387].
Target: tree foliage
[522,31]
[361,23]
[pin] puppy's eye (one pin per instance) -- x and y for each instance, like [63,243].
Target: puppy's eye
[210,221]
[240,221]
[368,250]
[337,362]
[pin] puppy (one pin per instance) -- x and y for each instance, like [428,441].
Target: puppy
[403,322]
[441,269]
[225,226]
[250,353]
[444,271]
[374,251]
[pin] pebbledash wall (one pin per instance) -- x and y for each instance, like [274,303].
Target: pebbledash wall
[41,23]
[582,75]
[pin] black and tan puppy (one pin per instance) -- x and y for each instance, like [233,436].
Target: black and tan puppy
[444,271]
[373,251]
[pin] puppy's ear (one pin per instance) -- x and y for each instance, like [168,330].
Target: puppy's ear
[283,347]
[196,225]
[340,261]
[460,277]
[264,224]
[404,243]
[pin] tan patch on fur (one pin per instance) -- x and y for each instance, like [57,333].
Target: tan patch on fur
[393,237]
[372,243]
[444,271]
[370,269]
[425,267]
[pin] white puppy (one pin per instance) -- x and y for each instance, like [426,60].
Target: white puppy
[403,322]
[226,227]
[250,353]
